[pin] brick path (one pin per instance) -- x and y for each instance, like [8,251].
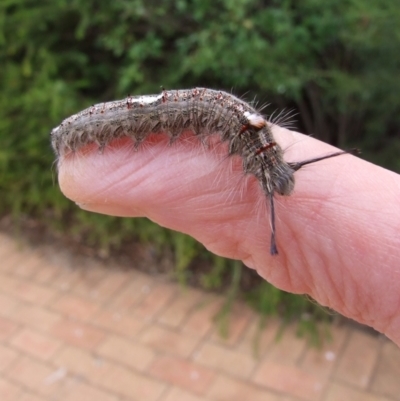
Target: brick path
[83,332]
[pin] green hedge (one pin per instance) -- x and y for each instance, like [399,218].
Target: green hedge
[336,62]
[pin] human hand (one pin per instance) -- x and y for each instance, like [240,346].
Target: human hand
[338,234]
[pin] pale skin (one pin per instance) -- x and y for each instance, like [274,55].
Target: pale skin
[338,234]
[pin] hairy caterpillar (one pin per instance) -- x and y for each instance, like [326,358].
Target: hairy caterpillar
[203,111]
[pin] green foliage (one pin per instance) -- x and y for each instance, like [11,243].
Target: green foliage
[222,317]
[335,61]
[215,278]
[271,302]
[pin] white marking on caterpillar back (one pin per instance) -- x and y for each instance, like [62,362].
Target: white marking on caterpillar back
[255,120]
[144,99]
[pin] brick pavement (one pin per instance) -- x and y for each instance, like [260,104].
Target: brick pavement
[82,331]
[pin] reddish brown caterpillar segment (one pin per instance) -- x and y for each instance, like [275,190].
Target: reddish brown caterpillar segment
[203,111]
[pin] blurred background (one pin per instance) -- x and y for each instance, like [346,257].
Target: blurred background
[335,63]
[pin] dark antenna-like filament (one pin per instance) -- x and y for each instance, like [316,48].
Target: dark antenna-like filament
[298,165]
[273,249]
